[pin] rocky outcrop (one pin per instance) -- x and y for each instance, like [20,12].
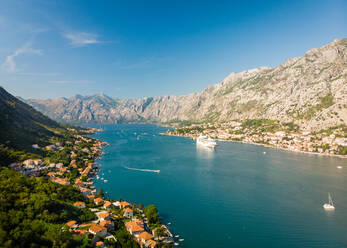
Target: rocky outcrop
[310,90]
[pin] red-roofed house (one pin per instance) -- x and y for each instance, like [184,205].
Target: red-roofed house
[128,213]
[133,228]
[107,205]
[98,230]
[79,204]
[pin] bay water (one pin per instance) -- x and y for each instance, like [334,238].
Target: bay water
[238,195]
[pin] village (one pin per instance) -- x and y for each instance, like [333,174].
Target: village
[109,214]
[272,134]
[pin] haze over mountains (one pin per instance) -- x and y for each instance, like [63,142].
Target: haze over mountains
[310,90]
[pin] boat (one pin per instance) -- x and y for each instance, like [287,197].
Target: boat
[176,244]
[264,152]
[105,181]
[177,236]
[180,240]
[330,205]
[206,141]
[339,167]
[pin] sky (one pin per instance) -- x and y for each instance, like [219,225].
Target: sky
[133,49]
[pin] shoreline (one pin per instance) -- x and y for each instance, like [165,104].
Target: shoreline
[265,145]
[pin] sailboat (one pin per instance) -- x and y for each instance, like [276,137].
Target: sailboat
[330,205]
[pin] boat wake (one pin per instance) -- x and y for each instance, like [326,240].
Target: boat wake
[146,170]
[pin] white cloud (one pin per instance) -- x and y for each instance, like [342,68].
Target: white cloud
[82,39]
[10,64]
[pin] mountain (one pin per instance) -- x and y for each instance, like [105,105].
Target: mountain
[310,90]
[22,125]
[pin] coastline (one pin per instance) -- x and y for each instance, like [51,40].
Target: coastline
[265,145]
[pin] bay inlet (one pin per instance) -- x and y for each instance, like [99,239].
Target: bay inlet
[238,195]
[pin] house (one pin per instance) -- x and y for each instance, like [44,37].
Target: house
[133,228]
[104,216]
[128,213]
[100,244]
[90,196]
[151,244]
[124,204]
[59,165]
[116,204]
[98,201]
[98,230]
[79,204]
[107,205]
[72,224]
[144,237]
[108,224]
[50,147]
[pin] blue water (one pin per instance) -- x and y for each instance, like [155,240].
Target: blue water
[235,196]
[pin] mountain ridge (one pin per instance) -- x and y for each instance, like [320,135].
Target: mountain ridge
[310,90]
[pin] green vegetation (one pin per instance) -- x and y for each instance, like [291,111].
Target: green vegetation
[151,213]
[33,211]
[325,102]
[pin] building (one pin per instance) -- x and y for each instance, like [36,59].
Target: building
[79,204]
[104,216]
[144,237]
[98,230]
[128,213]
[124,204]
[98,201]
[108,205]
[133,228]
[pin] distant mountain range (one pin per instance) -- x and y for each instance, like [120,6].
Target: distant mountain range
[310,90]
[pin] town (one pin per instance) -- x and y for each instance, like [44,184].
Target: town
[273,134]
[71,162]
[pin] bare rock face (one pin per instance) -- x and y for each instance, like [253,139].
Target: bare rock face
[310,90]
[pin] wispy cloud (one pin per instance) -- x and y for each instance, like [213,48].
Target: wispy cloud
[79,39]
[10,64]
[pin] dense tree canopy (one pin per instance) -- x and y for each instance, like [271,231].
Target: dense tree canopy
[33,212]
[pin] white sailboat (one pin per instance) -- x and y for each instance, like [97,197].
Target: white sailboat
[330,205]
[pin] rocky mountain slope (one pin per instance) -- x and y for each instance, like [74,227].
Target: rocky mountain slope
[310,90]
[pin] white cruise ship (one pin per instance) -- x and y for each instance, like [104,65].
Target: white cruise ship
[206,141]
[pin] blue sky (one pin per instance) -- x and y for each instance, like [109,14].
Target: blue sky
[131,49]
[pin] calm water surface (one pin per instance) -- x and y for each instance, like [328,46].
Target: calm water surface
[235,196]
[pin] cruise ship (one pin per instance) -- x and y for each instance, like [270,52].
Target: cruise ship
[206,141]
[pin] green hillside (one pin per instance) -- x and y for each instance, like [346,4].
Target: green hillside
[22,126]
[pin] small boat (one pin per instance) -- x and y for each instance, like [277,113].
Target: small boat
[339,167]
[330,205]
[181,240]
[177,236]
[264,152]
[176,244]
[169,223]
[105,181]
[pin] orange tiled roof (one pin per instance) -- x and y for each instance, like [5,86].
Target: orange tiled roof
[145,236]
[124,204]
[98,200]
[133,227]
[107,204]
[105,222]
[128,210]
[71,223]
[78,203]
[99,243]
[104,215]
[97,228]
